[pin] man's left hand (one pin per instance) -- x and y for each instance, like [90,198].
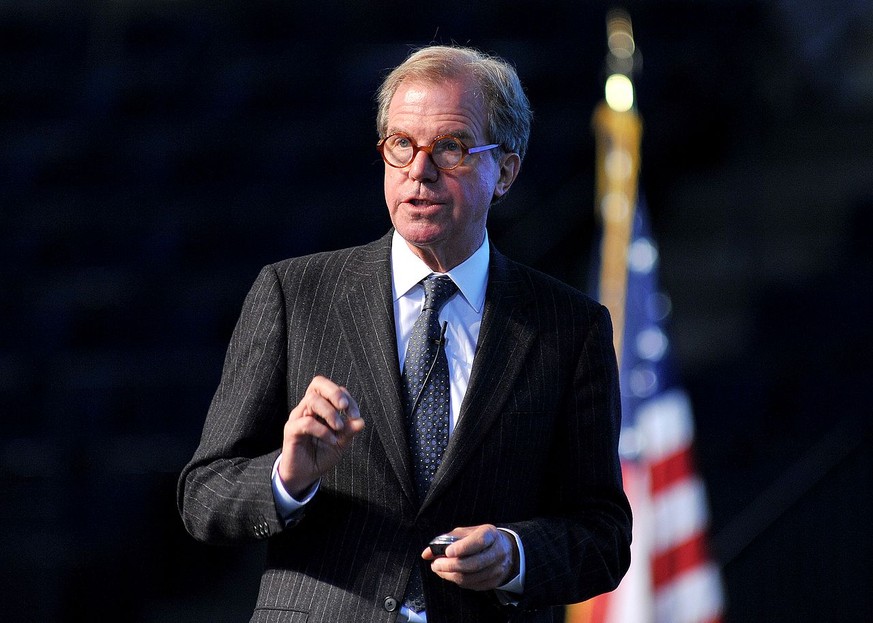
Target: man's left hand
[483,559]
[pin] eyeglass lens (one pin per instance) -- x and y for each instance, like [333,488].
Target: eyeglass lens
[446,152]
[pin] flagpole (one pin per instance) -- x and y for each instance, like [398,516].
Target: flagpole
[618,133]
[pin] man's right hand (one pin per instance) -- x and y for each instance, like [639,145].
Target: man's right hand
[317,432]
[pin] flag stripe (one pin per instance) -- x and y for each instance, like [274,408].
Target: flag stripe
[671,470]
[693,597]
[679,559]
[664,421]
[680,514]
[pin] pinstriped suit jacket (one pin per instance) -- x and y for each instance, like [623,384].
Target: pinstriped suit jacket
[534,449]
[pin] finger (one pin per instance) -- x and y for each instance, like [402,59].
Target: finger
[484,579]
[466,564]
[484,570]
[311,425]
[482,559]
[322,409]
[352,410]
[352,427]
[337,396]
[473,541]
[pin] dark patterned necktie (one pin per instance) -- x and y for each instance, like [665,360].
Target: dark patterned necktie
[426,401]
[428,424]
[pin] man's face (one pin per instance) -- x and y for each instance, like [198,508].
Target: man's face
[442,214]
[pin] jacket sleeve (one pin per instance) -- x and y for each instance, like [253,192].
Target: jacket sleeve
[581,547]
[224,494]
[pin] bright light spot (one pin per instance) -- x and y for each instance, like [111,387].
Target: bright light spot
[643,381]
[619,164]
[615,207]
[621,43]
[642,256]
[619,93]
[658,306]
[629,443]
[620,34]
[652,344]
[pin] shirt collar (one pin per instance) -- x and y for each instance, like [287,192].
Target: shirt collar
[471,275]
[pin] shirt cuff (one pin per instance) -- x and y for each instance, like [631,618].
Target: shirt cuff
[515,586]
[286,505]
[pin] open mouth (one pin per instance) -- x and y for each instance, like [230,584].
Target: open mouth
[422,203]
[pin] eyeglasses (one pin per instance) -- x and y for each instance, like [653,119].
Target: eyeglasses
[446,151]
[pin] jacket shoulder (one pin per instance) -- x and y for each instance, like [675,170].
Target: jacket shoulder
[537,287]
[350,261]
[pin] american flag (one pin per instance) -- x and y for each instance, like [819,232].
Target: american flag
[672,578]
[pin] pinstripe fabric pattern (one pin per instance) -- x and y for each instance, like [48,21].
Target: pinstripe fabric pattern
[534,449]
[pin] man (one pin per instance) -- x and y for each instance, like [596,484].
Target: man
[367,406]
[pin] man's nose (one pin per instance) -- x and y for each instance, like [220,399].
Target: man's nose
[422,168]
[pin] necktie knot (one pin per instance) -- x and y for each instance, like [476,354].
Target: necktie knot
[438,290]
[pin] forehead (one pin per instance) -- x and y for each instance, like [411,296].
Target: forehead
[432,108]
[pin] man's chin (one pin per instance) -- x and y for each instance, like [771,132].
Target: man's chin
[422,234]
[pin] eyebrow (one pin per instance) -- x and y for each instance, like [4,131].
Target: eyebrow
[462,134]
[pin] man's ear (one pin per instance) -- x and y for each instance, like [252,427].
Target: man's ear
[510,165]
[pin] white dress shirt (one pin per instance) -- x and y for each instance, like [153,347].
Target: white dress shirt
[463,313]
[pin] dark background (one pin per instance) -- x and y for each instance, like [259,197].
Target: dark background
[154,154]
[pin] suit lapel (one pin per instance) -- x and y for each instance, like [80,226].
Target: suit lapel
[505,338]
[366,315]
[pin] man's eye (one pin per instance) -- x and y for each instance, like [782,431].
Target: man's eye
[448,145]
[401,142]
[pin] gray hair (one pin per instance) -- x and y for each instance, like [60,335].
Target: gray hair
[507,107]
